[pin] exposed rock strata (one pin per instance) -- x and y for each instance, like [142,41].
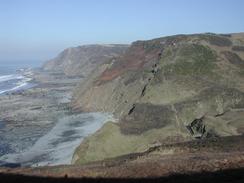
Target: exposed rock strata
[164,85]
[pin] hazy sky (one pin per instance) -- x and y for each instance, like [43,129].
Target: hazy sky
[39,29]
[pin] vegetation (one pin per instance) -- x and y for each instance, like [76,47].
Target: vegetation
[136,123]
[160,101]
[234,59]
[151,45]
[161,43]
[192,60]
[216,40]
[238,48]
[109,142]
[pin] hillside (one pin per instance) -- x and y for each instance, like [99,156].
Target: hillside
[179,108]
[81,60]
[166,90]
[215,160]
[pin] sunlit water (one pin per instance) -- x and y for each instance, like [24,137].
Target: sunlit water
[11,77]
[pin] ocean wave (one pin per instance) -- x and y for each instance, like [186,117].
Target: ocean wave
[10,77]
[21,85]
[19,82]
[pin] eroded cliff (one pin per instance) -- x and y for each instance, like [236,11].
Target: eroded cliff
[165,90]
[82,60]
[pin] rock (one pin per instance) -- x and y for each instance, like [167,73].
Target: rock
[81,60]
[194,76]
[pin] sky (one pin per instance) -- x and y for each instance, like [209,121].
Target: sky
[37,30]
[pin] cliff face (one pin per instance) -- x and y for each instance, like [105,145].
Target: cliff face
[80,61]
[168,89]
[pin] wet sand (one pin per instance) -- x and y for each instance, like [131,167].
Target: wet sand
[39,128]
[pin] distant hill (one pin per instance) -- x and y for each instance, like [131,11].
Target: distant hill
[81,60]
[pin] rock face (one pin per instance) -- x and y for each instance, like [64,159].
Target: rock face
[168,89]
[81,60]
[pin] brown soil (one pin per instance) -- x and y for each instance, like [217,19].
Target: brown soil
[187,158]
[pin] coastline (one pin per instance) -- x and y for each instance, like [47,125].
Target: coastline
[16,79]
[39,123]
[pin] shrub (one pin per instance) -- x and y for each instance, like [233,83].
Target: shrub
[192,60]
[216,40]
[238,48]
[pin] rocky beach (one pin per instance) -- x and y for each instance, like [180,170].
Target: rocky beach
[37,125]
[178,104]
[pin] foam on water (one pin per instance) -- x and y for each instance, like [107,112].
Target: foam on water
[58,145]
[17,82]
[10,77]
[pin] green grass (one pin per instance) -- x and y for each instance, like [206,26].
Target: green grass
[109,142]
[216,40]
[152,45]
[192,60]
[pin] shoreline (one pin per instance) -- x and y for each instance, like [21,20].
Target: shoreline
[23,80]
[39,121]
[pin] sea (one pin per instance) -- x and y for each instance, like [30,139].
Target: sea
[16,76]
[52,145]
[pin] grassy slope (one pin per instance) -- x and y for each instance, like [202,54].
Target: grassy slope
[109,142]
[190,81]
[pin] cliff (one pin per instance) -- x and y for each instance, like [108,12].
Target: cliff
[81,60]
[165,90]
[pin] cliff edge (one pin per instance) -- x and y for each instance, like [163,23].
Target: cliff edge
[166,90]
